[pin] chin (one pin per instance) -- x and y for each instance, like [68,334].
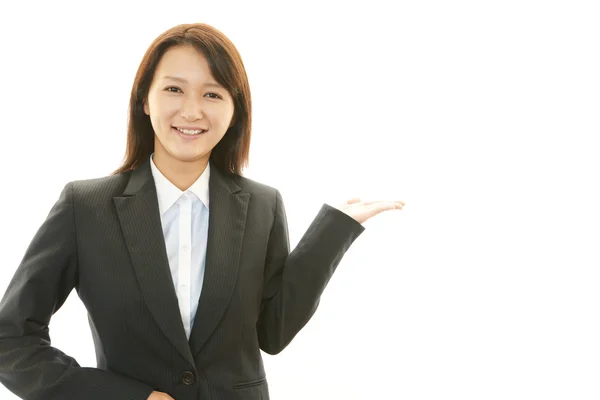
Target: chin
[190,156]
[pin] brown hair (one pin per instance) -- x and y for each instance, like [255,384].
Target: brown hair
[230,155]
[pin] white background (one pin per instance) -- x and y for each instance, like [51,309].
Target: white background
[482,115]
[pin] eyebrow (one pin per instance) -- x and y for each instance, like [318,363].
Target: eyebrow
[182,80]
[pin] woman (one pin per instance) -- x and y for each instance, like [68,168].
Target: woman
[182,264]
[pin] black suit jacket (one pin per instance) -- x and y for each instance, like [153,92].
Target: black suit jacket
[103,237]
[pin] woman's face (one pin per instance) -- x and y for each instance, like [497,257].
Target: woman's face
[184,96]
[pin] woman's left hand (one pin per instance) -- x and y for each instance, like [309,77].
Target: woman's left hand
[361,211]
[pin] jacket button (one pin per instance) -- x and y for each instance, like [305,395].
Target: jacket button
[188,378]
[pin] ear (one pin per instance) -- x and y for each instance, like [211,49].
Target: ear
[146,108]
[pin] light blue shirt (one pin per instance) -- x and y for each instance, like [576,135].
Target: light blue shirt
[184,218]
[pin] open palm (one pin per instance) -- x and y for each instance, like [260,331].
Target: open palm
[361,211]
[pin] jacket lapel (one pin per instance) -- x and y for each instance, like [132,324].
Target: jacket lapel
[140,220]
[227,220]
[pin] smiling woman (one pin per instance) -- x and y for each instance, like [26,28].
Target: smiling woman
[189,111]
[183,264]
[191,77]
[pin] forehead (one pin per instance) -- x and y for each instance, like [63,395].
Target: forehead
[186,62]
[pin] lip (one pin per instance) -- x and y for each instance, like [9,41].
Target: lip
[191,128]
[187,137]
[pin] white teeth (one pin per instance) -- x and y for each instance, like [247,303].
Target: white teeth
[191,131]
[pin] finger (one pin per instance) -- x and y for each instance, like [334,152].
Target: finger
[353,200]
[368,203]
[399,204]
[381,207]
[371,202]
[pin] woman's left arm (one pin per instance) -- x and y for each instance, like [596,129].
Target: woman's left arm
[295,281]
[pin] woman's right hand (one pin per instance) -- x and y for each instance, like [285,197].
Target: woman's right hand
[159,396]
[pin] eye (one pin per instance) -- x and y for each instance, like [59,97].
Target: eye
[172,87]
[213,94]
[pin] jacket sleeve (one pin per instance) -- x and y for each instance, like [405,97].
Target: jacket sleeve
[29,366]
[295,281]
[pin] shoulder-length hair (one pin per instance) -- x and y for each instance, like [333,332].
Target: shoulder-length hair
[230,155]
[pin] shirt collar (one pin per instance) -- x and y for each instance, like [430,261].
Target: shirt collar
[168,193]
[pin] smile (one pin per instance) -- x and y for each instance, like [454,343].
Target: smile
[189,135]
[191,132]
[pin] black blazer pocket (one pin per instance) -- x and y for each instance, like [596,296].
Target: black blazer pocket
[247,384]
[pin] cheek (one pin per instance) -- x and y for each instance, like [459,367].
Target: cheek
[163,112]
[225,116]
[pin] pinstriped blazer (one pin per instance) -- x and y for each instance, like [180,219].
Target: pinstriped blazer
[103,237]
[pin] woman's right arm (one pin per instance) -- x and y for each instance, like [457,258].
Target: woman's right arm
[29,366]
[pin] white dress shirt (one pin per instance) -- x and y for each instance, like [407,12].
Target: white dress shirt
[184,218]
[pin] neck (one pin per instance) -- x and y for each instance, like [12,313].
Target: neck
[182,174]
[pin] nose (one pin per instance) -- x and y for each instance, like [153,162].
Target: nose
[191,109]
